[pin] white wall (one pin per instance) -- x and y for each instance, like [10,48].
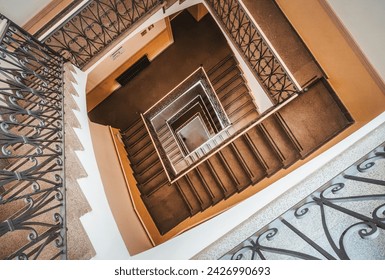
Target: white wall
[21,11]
[365,20]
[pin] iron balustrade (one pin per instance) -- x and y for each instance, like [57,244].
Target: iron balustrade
[95,26]
[32,185]
[343,219]
[254,48]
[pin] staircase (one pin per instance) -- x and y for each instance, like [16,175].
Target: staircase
[258,154]
[233,92]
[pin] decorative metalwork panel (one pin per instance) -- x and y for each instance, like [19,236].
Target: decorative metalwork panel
[254,49]
[32,197]
[95,26]
[344,219]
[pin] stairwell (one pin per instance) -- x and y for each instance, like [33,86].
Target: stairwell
[258,154]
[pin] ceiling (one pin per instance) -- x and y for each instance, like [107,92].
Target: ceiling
[21,11]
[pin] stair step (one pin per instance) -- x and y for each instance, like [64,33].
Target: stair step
[236,97]
[134,126]
[166,207]
[279,138]
[212,181]
[200,188]
[221,89]
[224,172]
[220,64]
[144,152]
[227,72]
[237,85]
[188,195]
[269,156]
[149,171]
[251,159]
[244,117]
[139,138]
[235,165]
[138,149]
[145,161]
[255,152]
[153,183]
[289,132]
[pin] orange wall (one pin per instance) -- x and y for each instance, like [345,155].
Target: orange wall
[348,71]
[130,227]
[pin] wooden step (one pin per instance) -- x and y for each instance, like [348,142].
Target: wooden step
[225,76]
[188,196]
[280,141]
[127,135]
[156,181]
[247,115]
[238,170]
[211,178]
[133,126]
[138,149]
[138,139]
[268,154]
[223,88]
[227,72]
[145,161]
[223,172]
[289,133]
[200,188]
[144,152]
[251,159]
[236,97]
[149,171]
[216,68]
[166,207]
[237,85]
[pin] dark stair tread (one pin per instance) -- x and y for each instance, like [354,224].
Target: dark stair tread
[229,84]
[236,86]
[268,154]
[149,171]
[223,174]
[167,208]
[282,141]
[220,64]
[145,152]
[239,171]
[137,149]
[231,103]
[212,183]
[153,183]
[200,189]
[245,117]
[251,160]
[145,161]
[190,194]
[134,125]
[137,139]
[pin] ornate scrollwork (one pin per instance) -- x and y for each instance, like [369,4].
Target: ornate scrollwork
[341,212]
[95,26]
[31,141]
[254,48]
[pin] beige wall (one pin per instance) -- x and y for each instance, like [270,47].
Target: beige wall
[106,86]
[126,50]
[348,71]
[130,227]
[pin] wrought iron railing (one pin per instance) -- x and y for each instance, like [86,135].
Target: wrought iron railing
[254,48]
[32,191]
[344,219]
[94,27]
